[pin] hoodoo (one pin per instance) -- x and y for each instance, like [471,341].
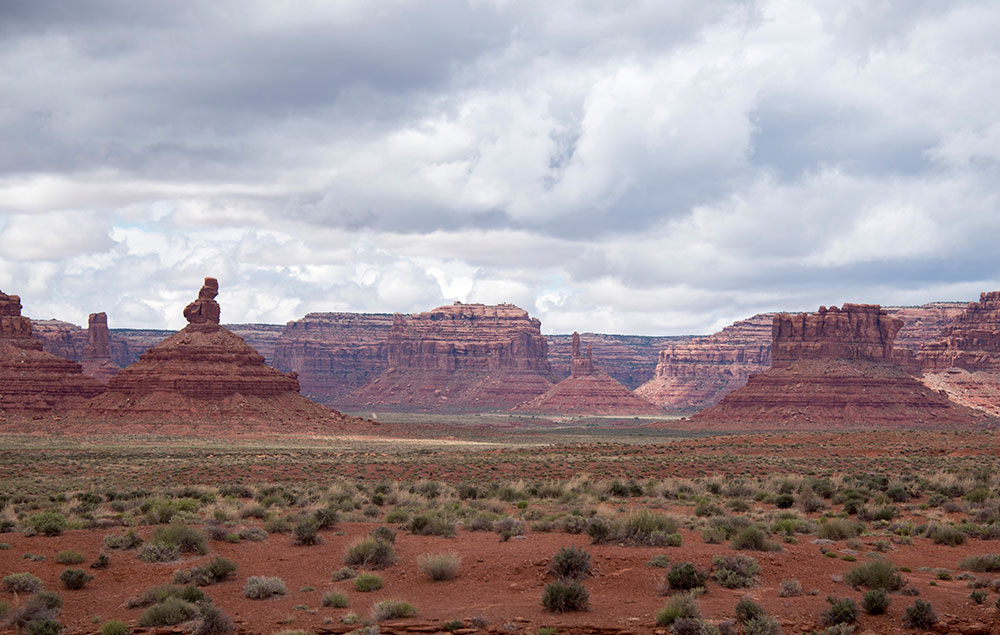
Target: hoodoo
[462,357]
[205,372]
[965,362]
[588,390]
[96,357]
[31,380]
[834,368]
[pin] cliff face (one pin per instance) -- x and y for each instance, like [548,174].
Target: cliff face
[461,357]
[631,359]
[31,380]
[834,369]
[334,353]
[697,373]
[96,355]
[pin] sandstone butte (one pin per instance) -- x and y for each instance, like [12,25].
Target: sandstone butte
[96,355]
[461,358]
[965,361]
[334,353]
[33,382]
[631,359]
[205,373]
[697,372]
[834,368]
[588,390]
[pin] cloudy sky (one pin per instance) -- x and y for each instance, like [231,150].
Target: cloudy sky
[627,166]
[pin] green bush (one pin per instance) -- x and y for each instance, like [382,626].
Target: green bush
[367,582]
[306,532]
[75,579]
[763,625]
[431,525]
[326,518]
[946,535]
[843,611]
[214,622]
[185,539]
[335,600]
[344,573]
[440,566]
[838,529]
[69,557]
[987,562]
[40,609]
[385,534]
[681,606]
[21,583]
[684,576]
[570,563]
[753,538]
[159,594]
[115,627]
[369,553]
[564,596]
[658,562]
[44,627]
[875,602]
[920,614]
[47,523]
[747,610]
[218,570]
[876,574]
[158,552]
[735,572]
[262,588]
[170,611]
[127,540]
[392,610]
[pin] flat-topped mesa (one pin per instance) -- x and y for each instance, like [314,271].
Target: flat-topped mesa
[971,342]
[205,372]
[461,357]
[204,310]
[834,369]
[32,381]
[96,356]
[854,332]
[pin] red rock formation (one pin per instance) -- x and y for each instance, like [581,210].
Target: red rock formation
[334,353]
[96,356]
[31,380]
[463,357]
[834,368]
[631,359]
[588,390]
[205,372]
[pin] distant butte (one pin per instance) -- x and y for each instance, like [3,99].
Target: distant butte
[834,369]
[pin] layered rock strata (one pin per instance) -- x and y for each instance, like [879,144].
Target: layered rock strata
[631,359]
[462,357]
[588,390]
[334,353]
[32,381]
[96,355]
[834,369]
[204,372]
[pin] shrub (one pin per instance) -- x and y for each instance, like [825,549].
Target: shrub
[684,576]
[100,562]
[508,528]
[753,538]
[876,574]
[978,596]
[185,539]
[440,566]
[946,535]
[385,534]
[344,573]
[392,610]
[115,627]
[44,627]
[326,518]
[366,582]
[658,562]
[748,610]
[170,611]
[74,579]
[875,602]
[369,553]
[838,529]
[69,557]
[261,588]
[127,540]
[682,606]
[158,552]
[735,572]
[161,593]
[218,570]
[42,607]
[563,596]
[842,611]
[430,525]
[306,532]
[790,588]
[47,523]
[570,563]
[214,622]
[784,501]
[21,583]
[647,528]
[987,562]
[335,600]
[763,625]
[920,614]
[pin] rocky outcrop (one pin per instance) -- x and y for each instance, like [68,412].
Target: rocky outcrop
[631,359]
[834,368]
[462,357]
[96,355]
[588,390]
[205,372]
[334,353]
[32,381]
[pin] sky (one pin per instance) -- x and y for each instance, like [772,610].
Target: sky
[640,167]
